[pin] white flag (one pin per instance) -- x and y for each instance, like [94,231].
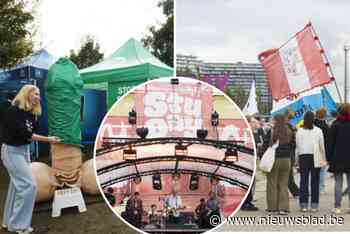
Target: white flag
[251,107]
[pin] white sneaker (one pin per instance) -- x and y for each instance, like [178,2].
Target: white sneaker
[314,210]
[26,231]
[3,226]
[303,210]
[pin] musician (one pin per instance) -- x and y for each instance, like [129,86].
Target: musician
[152,215]
[201,212]
[134,210]
[213,205]
[173,204]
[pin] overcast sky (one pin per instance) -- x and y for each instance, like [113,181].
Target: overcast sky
[229,30]
[63,23]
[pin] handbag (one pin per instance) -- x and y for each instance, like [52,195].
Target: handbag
[268,158]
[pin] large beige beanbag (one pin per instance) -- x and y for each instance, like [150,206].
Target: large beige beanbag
[88,179]
[45,181]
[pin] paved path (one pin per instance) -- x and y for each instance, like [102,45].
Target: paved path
[326,207]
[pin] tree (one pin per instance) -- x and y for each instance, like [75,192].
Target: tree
[88,54]
[237,94]
[160,41]
[186,72]
[16,33]
[262,107]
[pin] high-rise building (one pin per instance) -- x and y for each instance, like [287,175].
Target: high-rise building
[240,74]
[187,64]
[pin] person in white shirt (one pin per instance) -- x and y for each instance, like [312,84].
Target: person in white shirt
[311,155]
[173,203]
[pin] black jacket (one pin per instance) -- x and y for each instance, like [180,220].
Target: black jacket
[324,127]
[338,145]
[19,126]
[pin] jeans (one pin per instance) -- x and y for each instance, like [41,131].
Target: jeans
[338,187]
[249,197]
[323,174]
[306,165]
[22,190]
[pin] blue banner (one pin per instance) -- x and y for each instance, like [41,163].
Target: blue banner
[311,102]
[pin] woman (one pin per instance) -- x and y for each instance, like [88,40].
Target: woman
[321,123]
[277,178]
[338,148]
[19,131]
[311,157]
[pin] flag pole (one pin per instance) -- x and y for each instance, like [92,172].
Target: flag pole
[327,60]
[346,76]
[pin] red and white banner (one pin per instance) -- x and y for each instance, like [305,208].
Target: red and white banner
[297,66]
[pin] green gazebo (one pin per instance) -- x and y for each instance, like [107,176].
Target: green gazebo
[127,67]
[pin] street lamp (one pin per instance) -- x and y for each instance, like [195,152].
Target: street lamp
[346,76]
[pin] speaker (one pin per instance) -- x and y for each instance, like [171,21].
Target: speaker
[194,182]
[157,182]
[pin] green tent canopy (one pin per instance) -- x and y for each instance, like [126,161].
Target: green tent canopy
[129,66]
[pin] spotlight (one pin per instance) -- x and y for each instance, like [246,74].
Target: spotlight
[142,132]
[110,190]
[157,182]
[132,117]
[180,150]
[202,133]
[174,81]
[231,155]
[215,119]
[129,154]
[194,181]
[137,180]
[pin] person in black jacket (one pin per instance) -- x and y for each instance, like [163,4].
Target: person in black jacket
[320,122]
[338,148]
[292,186]
[19,130]
[248,202]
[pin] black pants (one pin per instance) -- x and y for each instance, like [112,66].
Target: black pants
[292,186]
[306,164]
[249,198]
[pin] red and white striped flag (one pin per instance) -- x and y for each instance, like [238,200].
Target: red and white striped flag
[297,66]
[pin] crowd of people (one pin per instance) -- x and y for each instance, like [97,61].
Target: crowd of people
[315,146]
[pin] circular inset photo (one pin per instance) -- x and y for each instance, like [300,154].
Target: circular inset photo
[174,154]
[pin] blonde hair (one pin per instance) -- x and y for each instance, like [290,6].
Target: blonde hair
[22,100]
[321,113]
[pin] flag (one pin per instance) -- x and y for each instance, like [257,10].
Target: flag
[217,81]
[251,107]
[297,66]
[309,101]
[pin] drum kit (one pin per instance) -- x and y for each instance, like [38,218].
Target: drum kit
[165,216]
